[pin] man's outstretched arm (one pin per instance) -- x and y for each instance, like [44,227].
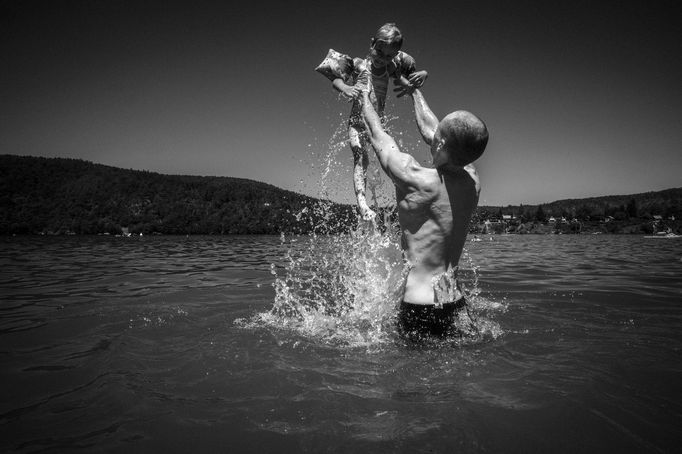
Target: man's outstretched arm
[427,122]
[397,165]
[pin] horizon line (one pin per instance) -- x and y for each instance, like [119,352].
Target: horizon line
[341,203]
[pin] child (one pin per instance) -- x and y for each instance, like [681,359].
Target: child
[350,76]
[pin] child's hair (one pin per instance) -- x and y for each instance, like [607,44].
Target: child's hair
[390,34]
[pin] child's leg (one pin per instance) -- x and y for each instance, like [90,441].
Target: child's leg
[360,163]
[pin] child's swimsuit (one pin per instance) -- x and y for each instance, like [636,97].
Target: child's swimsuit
[401,65]
[340,66]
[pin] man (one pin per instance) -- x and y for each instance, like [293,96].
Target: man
[434,209]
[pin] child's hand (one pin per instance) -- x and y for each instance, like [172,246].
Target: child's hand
[418,78]
[403,87]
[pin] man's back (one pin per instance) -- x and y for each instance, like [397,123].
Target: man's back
[434,205]
[434,216]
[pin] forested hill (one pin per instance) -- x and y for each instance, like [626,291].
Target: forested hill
[666,203]
[55,195]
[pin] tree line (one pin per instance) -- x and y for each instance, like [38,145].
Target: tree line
[645,206]
[645,213]
[55,195]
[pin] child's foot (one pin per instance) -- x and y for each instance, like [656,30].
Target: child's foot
[367,214]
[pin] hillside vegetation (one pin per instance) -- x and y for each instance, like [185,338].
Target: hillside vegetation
[59,196]
[647,213]
[54,195]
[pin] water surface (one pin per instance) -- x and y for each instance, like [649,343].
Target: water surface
[171,344]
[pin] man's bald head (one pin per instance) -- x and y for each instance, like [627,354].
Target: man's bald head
[462,136]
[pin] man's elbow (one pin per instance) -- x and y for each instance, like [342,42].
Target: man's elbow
[428,136]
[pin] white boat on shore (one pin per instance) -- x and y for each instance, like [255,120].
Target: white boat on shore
[664,235]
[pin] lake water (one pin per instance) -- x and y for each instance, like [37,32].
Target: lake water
[269,344]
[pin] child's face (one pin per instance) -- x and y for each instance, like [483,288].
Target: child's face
[381,53]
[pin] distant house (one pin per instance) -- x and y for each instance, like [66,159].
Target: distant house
[551,220]
[507,217]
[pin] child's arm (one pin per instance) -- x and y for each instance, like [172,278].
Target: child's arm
[348,91]
[408,78]
[338,68]
[418,78]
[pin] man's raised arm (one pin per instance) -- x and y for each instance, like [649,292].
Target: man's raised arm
[427,122]
[396,164]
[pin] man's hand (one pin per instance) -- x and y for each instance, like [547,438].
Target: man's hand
[403,87]
[351,92]
[407,86]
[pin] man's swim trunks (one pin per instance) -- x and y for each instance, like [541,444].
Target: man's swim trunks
[417,321]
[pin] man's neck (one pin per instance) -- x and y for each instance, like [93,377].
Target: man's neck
[449,169]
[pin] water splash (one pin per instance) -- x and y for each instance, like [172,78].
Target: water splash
[339,289]
[482,310]
[336,177]
[345,289]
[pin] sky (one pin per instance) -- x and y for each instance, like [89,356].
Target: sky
[581,98]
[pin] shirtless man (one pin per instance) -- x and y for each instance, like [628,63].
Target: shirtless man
[434,209]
